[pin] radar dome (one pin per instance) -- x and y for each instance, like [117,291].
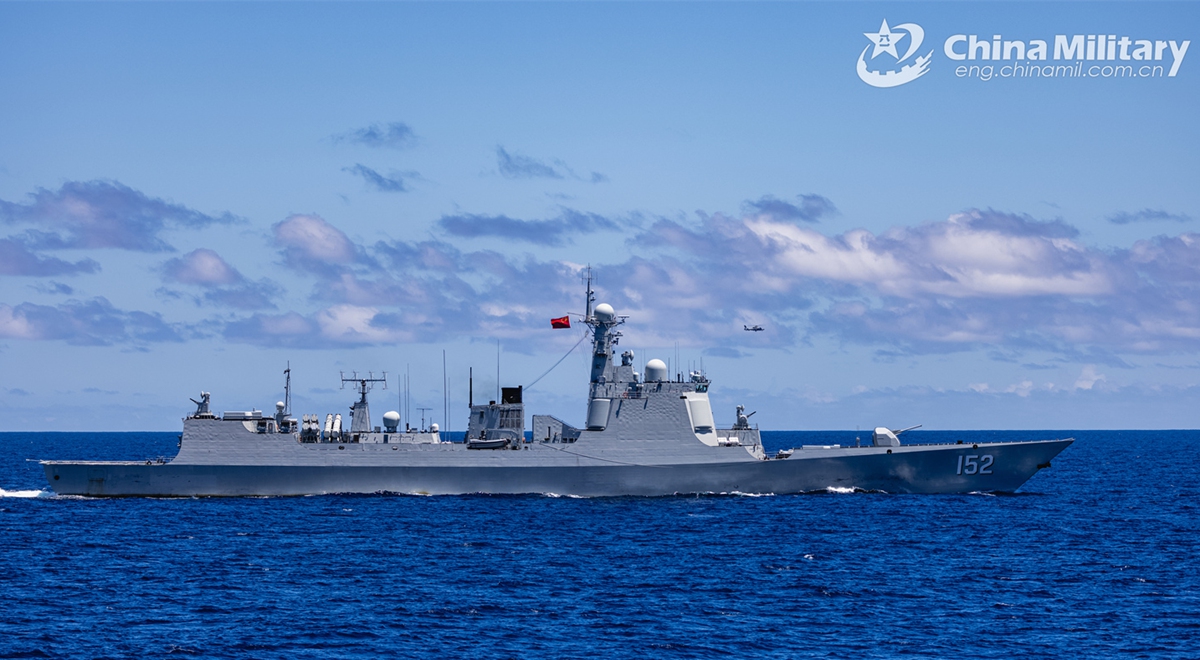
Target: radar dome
[433,428]
[656,370]
[279,406]
[391,419]
[605,313]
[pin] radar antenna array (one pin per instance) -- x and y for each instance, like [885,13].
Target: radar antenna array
[364,384]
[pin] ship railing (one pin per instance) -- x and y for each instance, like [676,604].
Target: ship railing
[640,390]
[621,393]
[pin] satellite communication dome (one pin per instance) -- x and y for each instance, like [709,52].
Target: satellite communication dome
[279,406]
[391,419]
[605,313]
[433,428]
[656,370]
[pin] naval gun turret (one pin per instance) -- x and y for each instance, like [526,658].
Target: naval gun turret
[743,419]
[202,409]
[885,437]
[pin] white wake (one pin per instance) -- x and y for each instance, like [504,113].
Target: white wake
[25,493]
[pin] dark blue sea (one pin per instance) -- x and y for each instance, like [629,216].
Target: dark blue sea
[1096,557]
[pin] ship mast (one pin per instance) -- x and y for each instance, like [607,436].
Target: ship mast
[360,413]
[591,295]
[603,322]
[287,390]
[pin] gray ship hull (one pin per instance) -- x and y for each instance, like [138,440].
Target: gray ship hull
[991,467]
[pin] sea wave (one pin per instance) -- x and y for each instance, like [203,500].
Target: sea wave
[1056,570]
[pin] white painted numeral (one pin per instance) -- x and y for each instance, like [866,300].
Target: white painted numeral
[975,464]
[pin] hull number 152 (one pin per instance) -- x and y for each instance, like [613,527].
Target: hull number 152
[973,464]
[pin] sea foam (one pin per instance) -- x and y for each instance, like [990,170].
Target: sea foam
[25,493]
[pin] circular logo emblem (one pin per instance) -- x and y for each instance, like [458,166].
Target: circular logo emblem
[884,42]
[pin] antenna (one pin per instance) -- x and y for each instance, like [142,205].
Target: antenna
[445,394]
[591,295]
[287,390]
[423,416]
[360,412]
[364,384]
[497,369]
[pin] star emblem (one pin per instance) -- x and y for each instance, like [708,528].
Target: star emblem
[884,40]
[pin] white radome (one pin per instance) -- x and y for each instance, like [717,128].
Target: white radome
[656,370]
[605,313]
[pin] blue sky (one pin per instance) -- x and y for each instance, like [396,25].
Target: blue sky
[191,195]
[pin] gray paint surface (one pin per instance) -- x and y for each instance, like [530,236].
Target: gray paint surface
[456,470]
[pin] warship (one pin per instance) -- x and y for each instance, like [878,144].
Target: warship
[647,434]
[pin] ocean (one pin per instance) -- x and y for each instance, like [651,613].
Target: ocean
[1096,557]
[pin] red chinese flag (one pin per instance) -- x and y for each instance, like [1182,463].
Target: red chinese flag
[564,322]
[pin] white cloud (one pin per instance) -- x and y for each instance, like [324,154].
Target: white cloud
[961,257]
[350,323]
[87,322]
[977,279]
[203,267]
[1088,378]
[102,214]
[1021,389]
[311,238]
